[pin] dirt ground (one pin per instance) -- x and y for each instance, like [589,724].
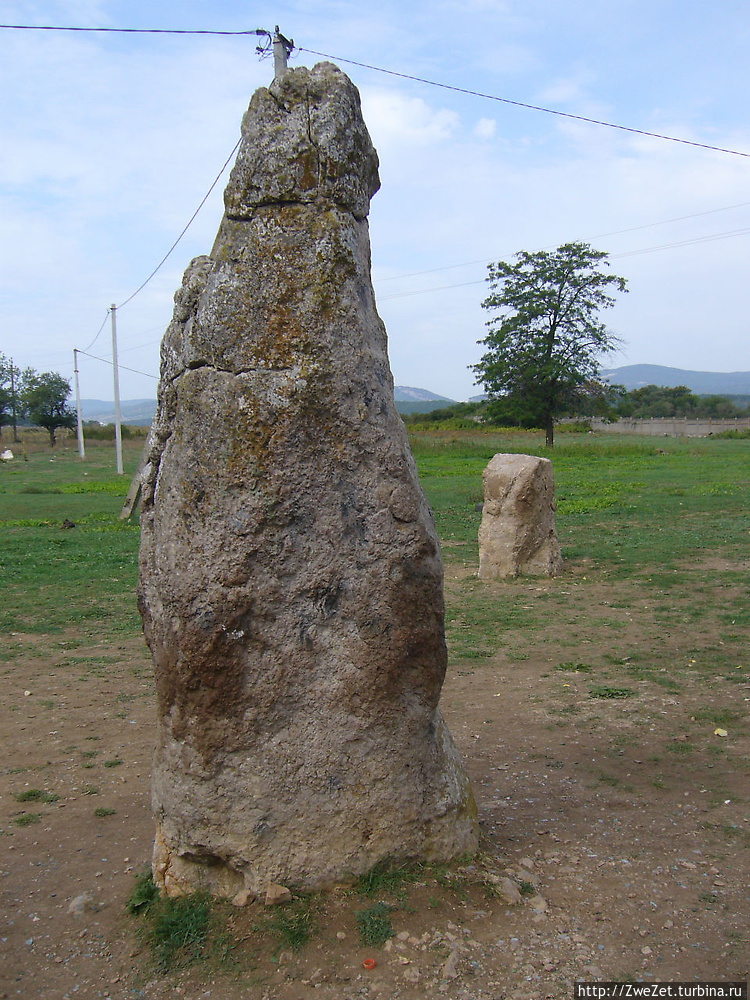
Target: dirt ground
[633,855]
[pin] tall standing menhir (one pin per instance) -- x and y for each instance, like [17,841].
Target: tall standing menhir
[290,574]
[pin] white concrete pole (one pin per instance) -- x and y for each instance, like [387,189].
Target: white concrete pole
[281,50]
[115,369]
[79,421]
[16,438]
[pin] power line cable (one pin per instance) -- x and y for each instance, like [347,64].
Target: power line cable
[437,288]
[106,361]
[145,343]
[684,243]
[599,236]
[626,253]
[98,334]
[190,222]
[169,252]
[431,83]
[521,104]
[132,31]
[389,72]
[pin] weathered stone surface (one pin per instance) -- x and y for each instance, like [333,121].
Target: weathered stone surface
[85,903]
[517,533]
[290,575]
[507,890]
[276,894]
[243,898]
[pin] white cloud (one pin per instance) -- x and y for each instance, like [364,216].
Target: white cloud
[395,120]
[485,128]
[107,144]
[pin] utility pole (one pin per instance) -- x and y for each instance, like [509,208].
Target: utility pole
[16,439]
[282,49]
[115,369]
[79,421]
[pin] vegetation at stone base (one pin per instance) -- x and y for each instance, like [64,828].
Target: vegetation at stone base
[176,930]
[294,923]
[144,892]
[374,924]
[196,928]
[388,877]
[179,932]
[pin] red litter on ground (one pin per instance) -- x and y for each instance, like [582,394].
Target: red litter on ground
[369,963]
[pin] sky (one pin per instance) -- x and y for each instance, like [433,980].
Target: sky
[109,142]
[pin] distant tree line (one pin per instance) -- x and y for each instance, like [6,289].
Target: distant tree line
[679,401]
[40,399]
[609,403]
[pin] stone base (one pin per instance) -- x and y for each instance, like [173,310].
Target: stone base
[319,829]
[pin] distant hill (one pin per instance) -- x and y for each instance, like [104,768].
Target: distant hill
[407,393]
[140,412]
[701,383]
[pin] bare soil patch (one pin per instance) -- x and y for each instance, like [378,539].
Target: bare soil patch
[624,818]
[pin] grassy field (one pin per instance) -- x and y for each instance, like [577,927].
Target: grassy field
[602,717]
[671,516]
[53,578]
[661,513]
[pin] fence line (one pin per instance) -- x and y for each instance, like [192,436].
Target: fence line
[673,426]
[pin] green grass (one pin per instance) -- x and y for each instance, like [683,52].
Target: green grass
[35,795]
[178,930]
[654,508]
[387,878]
[93,564]
[718,716]
[606,691]
[26,819]
[175,930]
[294,923]
[144,893]
[374,925]
[574,668]
[640,509]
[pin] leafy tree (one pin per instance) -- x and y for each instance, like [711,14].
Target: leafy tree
[44,400]
[545,336]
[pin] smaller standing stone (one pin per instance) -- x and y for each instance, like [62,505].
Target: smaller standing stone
[517,533]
